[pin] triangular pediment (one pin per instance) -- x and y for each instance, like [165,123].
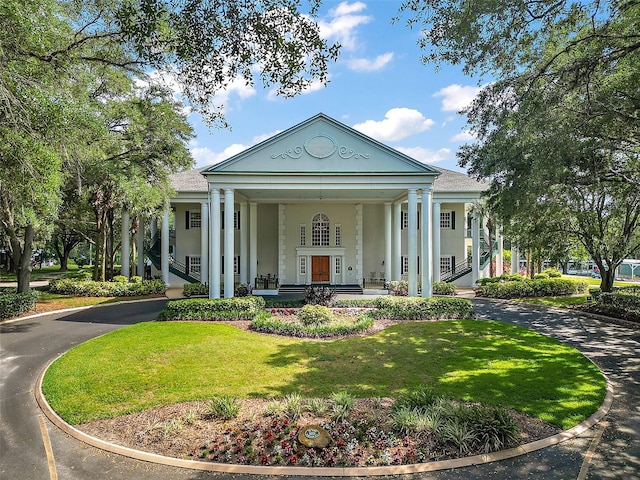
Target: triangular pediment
[321,145]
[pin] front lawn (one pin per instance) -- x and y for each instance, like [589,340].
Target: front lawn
[153,364]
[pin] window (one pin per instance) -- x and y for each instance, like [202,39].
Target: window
[192,220]
[303,265]
[303,235]
[448,220]
[338,238]
[445,219]
[445,264]
[193,263]
[320,233]
[404,265]
[404,220]
[338,264]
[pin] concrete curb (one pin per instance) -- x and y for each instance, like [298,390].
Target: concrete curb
[321,471]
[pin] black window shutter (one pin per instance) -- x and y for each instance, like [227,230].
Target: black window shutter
[238,219]
[239,263]
[187,260]
[453,220]
[222,266]
[453,264]
[186,220]
[222,222]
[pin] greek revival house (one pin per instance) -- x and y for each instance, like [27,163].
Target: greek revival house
[320,203]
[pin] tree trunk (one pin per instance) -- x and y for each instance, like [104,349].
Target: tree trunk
[110,245]
[606,279]
[22,258]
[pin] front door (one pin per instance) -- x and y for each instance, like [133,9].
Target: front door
[320,268]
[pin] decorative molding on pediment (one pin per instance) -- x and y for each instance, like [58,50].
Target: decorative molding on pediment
[320,146]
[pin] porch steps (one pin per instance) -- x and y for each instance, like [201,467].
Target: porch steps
[352,289]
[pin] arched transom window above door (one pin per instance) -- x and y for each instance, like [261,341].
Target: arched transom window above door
[320,230]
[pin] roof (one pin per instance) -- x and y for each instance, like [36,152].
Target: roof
[322,145]
[189,181]
[452,181]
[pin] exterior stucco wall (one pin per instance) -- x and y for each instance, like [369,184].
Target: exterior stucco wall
[267,239]
[452,241]
[187,241]
[296,215]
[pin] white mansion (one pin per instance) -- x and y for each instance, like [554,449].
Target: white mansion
[320,203]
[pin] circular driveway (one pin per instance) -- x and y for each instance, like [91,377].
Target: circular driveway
[32,448]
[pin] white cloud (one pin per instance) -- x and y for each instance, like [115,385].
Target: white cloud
[463,136]
[204,156]
[366,65]
[426,155]
[342,23]
[398,123]
[315,86]
[457,97]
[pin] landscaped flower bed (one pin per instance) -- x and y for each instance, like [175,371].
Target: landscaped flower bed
[319,322]
[364,432]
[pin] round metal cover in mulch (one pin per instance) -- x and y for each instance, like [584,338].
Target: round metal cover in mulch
[314,436]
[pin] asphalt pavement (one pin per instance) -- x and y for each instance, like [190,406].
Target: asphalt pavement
[33,448]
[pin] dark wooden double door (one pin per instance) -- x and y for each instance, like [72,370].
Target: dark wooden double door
[320,272]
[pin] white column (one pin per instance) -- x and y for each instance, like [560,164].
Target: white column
[244,243]
[253,242]
[436,241]
[140,246]
[154,227]
[475,249]
[229,238]
[427,239]
[204,242]
[515,259]
[500,254]
[412,242]
[396,274]
[125,247]
[164,247]
[214,240]
[387,241]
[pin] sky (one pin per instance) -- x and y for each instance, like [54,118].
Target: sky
[377,86]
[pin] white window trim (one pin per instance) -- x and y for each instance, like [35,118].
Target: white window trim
[445,219]
[195,220]
[198,261]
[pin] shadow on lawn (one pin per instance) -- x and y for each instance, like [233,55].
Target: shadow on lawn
[484,361]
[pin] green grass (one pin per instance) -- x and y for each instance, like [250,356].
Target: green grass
[595,282]
[68,301]
[153,364]
[555,301]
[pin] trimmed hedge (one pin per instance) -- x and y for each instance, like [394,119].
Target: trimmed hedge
[618,304]
[444,288]
[194,289]
[418,308]
[356,302]
[544,287]
[14,304]
[237,308]
[266,323]
[89,288]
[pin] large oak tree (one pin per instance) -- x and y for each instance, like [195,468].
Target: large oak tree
[57,58]
[558,129]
